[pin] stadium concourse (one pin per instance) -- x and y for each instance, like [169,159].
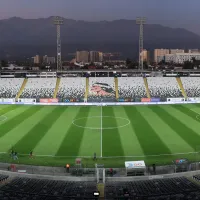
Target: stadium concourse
[53,119]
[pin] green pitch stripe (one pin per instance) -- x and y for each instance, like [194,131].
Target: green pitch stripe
[192,123]
[91,141]
[128,137]
[16,134]
[7,109]
[166,113]
[11,124]
[31,139]
[71,143]
[149,140]
[112,145]
[56,134]
[189,111]
[171,139]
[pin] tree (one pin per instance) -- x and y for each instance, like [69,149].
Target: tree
[188,65]
[4,63]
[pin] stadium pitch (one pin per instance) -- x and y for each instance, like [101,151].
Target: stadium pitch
[59,134]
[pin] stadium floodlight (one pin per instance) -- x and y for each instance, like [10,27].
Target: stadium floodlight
[58,21]
[141,21]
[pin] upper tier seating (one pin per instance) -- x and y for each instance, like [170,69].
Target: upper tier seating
[163,87]
[39,88]
[71,88]
[191,86]
[9,87]
[26,189]
[154,189]
[131,87]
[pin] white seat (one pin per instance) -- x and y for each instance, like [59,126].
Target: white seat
[9,87]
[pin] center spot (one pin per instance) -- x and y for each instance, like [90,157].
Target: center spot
[101,122]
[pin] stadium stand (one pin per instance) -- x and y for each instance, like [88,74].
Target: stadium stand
[3,177]
[163,88]
[172,188]
[101,88]
[71,88]
[26,189]
[131,87]
[9,87]
[191,86]
[39,88]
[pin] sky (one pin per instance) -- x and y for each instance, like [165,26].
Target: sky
[173,13]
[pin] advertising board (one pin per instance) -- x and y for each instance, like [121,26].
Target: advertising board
[155,99]
[3,100]
[26,100]
[176,99]
[145,100]
[135,164]
[193,99]
[49,100]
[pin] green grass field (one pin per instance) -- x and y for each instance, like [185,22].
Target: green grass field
[59,134]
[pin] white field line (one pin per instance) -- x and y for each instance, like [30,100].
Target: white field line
[98,128]
[101,134]
[137,156]
[198,114]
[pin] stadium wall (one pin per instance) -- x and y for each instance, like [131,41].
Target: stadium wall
[144,101]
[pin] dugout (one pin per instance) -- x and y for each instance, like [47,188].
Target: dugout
[135,168]
[181,165]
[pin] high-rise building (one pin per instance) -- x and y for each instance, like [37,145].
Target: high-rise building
[173,51]
[146,56]
[100,56]
[45,59]
[181,57]
[159,53]
[96,56]
[51,60]
[37,59]
[82,56]
[193,50]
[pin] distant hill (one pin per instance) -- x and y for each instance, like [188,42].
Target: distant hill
[26,37]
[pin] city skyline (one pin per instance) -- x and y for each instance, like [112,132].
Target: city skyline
[156,11]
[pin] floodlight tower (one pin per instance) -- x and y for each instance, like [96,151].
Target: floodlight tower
[141,21]
[58,21]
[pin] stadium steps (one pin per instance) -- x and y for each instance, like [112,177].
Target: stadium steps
[147,87]
[101,188]
[57,87]
[116,88]
[86,88]
[191,179]
[22,88]
[178,79]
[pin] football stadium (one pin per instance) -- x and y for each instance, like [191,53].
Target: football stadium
[86,137]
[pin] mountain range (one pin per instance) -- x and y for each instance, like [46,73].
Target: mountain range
[27,37]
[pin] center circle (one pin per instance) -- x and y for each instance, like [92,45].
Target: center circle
[101,122]
[3,118]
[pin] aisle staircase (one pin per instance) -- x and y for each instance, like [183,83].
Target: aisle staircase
[86,89]
[147,87]
[181,87]
[116,88]
[101,187]
[22,88]
[57,87]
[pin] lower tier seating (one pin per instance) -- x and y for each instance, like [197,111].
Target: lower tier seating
[25,188]
[173,188]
